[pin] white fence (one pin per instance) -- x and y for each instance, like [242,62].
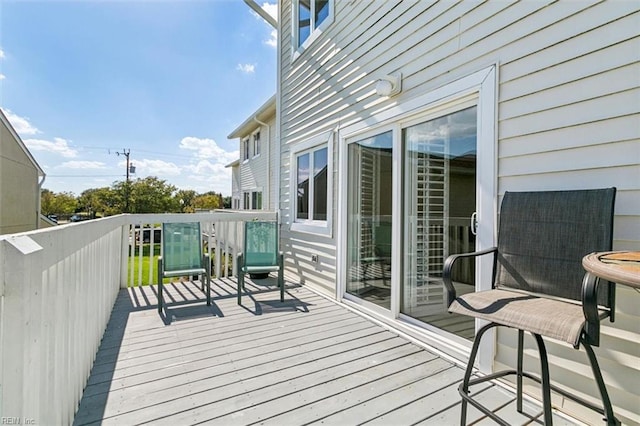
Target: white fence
[57,289]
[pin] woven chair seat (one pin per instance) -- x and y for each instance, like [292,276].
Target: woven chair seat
[544,316]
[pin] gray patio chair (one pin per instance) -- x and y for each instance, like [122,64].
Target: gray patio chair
[260,255]
[539,285]
[182,256]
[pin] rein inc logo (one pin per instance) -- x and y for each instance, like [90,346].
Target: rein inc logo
[17,421]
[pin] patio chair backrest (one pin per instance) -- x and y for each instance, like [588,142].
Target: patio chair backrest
[181,246]
[260,243]
[543,237]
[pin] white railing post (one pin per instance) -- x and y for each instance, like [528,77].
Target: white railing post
[20,329]
[124,258]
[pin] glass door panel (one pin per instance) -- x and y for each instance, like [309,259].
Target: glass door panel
[369,209]
[439,201]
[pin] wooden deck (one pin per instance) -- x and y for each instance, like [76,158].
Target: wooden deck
[308,360]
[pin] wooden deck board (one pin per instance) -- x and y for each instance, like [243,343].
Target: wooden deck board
[304,361]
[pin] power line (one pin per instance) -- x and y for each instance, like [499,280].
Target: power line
[79,176]
[163,154]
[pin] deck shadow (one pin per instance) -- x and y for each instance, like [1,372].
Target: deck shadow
[174,313]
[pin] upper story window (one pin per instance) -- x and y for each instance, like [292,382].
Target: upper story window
[311,185]
[245,149]
[311,179]
[309,17]
[256,144]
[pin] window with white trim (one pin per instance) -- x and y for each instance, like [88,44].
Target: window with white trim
[246,201]
[309,17]
[256,200]
[245,149]
[312,185]
[256,144]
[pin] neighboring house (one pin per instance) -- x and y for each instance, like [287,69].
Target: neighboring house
[21,180]
[236,192]
[402,124]
[254,178]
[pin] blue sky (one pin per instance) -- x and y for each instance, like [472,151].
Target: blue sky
[167,80]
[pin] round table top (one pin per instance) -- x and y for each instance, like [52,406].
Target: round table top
[622,267]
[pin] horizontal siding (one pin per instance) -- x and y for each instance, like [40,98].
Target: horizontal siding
[257,172]
[568,117]
[274,151]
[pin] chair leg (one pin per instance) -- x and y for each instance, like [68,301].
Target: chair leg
[160,284]
[281,277]
[546,383]
[208,289]
[519,371]
[604,395]
[464,386]
[240,285]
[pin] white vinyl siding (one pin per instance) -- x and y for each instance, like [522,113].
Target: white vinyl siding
[273,146]
[258,172]
[568,114]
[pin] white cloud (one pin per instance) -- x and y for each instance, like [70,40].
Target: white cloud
[20,124]
[2,54]
[83,165]
[246,68]
[159,168]
[211,177]
[208,171]
[206,167]
[271,9]
[273,39]
[58,146]
[208,148]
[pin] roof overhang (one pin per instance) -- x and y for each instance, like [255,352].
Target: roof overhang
[233,163]
[264,113]
[263,13]
[21,144]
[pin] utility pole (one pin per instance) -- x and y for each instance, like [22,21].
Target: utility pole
[126,153]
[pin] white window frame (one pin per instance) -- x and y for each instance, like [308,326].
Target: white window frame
[245,149]
[246,200]
[316,31]
[254,195]
[256,143]
[322,227]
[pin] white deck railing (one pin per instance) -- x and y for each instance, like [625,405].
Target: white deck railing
[57,289]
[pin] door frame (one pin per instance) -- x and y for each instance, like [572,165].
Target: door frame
[482,85]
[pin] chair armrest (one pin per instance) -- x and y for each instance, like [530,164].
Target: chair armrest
[448,267]
[240,261]
[207,262]
[590,284]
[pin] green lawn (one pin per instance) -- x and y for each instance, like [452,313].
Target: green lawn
[134,263]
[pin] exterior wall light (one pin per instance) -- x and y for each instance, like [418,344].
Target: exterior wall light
[389,85]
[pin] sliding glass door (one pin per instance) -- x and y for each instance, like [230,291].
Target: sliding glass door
[439,199]
[369,207]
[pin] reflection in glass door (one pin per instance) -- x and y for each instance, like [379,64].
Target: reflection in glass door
[439,201]
[369,208]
